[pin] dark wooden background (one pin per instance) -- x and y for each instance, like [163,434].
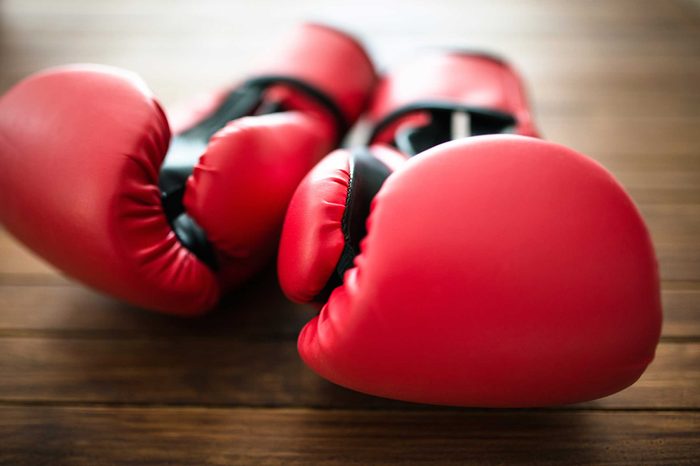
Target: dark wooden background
[87,380]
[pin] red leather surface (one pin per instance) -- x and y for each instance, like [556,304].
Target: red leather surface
[329,59]
[497,271]
[81,148]
[241,186]
[312,239]
[459,77]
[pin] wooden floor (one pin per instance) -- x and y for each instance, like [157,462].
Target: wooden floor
[86,380]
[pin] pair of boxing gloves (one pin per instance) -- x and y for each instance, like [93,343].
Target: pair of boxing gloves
[494,270]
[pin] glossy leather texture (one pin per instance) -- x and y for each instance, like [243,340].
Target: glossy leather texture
[497,271]
[81,148]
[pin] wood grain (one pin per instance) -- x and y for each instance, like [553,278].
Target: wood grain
[259,310]
[87,380]
[675,230]
[96,436]
[248,372]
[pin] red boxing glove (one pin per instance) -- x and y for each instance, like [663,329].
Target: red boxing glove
[499,271]
[86,183]
[413,109]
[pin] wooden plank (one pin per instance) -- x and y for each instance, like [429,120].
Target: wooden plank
[557,100]
[667,186]
[554,93]
[650,51]
[241,371]
[681,312]
[19,264]
[673,379]
[574,63]
[82,376]
[538,17]
[675,229]
[259,310]
[608,136]
[89,436]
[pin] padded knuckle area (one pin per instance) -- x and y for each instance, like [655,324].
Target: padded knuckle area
[312,239]
[94,150]
[501,292]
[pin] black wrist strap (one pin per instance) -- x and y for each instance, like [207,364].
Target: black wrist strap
[367,175]
[186,148]
[414,140]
